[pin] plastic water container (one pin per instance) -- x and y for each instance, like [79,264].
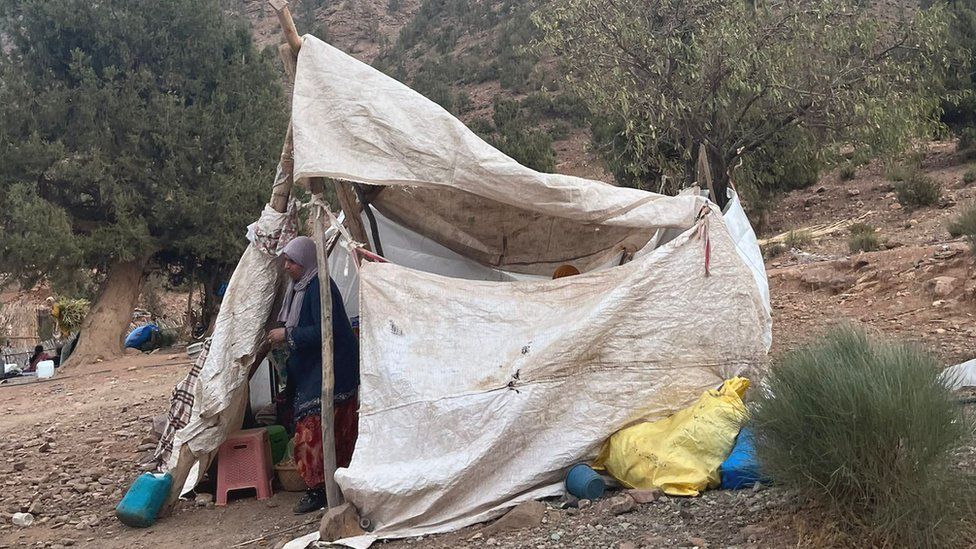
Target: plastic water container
[145,498]
[584,483]
[45,369]
[279,442]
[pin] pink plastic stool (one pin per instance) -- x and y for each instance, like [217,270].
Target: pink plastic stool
[244,461]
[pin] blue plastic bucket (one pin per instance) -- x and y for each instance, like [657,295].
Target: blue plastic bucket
[584,483]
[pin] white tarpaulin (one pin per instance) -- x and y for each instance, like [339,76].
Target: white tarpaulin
[209,404]
[478,395]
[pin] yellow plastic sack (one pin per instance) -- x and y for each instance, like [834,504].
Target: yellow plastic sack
[680,454]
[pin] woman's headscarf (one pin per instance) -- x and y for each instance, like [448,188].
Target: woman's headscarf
[301,250]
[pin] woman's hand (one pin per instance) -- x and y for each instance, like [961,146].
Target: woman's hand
[276,336]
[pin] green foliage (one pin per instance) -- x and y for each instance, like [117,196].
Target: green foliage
[868,429]
[918,190]
[513,136]
[733,76]
[959,107]
[863,238]
[774,250]
[797,239]
[393,6]
[789,161]
[847,172]
[965,225]
[131,128]
[969,176]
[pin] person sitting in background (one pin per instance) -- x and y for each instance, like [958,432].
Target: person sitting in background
[38,356]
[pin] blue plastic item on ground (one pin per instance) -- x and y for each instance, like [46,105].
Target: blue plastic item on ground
[140,336]
[145,498]
[741,468]
[584,483]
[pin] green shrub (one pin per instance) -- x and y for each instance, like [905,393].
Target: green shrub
[918,190]
[797,239]
[863,238]
[965,225]
[773,250]
[847,172]
[900,172]
[969,176]
[868,429]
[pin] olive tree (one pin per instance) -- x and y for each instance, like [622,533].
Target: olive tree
[725,78]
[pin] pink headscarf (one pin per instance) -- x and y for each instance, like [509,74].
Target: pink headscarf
[301,250]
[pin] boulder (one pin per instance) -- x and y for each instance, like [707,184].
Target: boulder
[644,496]
[941,286]
[527,514]
[340,522]
[621,504]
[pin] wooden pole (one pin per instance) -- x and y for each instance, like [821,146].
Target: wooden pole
[351,207]
[287,24]
[333,496]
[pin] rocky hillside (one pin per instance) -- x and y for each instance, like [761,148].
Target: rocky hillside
[470,56]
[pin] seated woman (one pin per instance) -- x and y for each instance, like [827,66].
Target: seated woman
[38,356]
[302,314]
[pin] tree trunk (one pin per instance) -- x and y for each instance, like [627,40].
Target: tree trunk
[104,327]
[719,167]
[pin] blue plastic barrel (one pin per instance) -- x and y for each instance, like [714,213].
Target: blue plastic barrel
[741,468]
[140,336]
[145,498]
[584,483]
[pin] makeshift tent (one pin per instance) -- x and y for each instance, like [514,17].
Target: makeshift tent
[482,380]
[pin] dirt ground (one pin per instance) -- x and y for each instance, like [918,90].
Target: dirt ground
[69,447]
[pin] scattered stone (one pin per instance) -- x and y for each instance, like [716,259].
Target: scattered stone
[627,545]
[752,532]
[145,447]
[698,542]
[527,514]
[584,504]
[821,189]
[895,206]
[340,522]
[44,448]
[853,192]
[644,496]
[203,499]
[622,504]
[941,286]
[129,351]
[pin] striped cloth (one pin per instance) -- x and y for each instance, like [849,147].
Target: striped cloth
[180,407]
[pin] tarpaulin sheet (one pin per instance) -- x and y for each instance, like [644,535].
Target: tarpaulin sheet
[479,395]
[212,399]
[353,122]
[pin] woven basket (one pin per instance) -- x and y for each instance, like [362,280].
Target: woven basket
[289,478]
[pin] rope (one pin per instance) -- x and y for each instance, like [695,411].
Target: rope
[703,236]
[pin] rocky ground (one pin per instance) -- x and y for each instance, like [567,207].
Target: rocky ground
[69,447]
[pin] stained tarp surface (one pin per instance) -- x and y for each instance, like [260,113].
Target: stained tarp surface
[479,395]
[352,122]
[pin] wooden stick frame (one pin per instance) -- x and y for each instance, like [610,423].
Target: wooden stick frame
[279,201]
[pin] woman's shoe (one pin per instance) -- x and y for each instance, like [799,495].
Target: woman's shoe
[313,500]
